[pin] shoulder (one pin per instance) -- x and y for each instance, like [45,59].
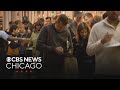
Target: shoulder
[70,24]
[47,27]
[45,30]
[32,33]
[67,31]
[97,25]
[3,33]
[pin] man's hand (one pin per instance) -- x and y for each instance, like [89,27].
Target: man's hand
[106,38]
[25,41]
[59,50]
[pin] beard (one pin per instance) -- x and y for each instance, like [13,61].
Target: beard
[113,17]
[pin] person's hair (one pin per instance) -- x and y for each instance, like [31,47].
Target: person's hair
[17,22]
[38,23]
[95,20]
[13,27]
[55,17]
[48,18]
[41,19]
[104,15]
[63,19]
[88,15]
[82,26]
[11,22]
[31,27]
[77,13]
[25,22]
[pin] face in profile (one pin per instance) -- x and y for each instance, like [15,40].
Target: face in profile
[60,27]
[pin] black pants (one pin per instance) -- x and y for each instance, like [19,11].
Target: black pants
[86,68]
[53,67]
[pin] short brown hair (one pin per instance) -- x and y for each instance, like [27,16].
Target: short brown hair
[63,19]
[78,14]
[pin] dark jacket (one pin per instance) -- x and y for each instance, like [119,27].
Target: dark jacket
[49,39]
[81,49]
[72,28]
[3,46]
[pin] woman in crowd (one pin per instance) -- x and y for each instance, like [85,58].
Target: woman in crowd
[85,62]
[34,36]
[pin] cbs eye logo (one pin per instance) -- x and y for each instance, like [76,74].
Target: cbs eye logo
[8,59]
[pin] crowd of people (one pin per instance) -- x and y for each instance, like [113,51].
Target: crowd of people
[53,39]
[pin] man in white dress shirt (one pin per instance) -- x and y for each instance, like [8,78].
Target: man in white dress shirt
[102,34]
